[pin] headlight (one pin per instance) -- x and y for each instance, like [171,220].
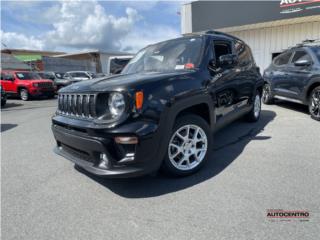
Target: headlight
[36,85]
[116,104]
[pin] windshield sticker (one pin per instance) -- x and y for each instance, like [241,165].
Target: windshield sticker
[178,67]
[20,75]
[189,66]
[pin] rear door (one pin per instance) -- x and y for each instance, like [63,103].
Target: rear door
[298,76]
[248,73]
[279,75]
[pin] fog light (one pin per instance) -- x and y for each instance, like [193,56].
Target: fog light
[126,140]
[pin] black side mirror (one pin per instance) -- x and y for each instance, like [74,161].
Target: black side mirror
[228,60]
[302,63]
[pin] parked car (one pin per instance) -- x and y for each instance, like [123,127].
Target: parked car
[3,96]
[76,76]
[163,108]
[56,77]
[25,84]
[295,76]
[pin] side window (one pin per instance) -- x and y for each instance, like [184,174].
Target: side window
[301,55]
[282,59]
[244,54]
[221,48]
[7,76]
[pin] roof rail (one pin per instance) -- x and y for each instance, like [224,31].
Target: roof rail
[221,33]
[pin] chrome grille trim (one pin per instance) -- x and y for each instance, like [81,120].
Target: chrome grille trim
[77,105]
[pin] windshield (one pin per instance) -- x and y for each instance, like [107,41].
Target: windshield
[27,75]
[182,53]
[79,75]
[316,50]
[47,75]
[59,75]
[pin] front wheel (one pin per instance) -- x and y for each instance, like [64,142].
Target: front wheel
[314,103]
[189,146]
[24,95]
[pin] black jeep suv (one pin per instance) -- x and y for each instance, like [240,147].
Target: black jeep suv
[161,110]
[294,76]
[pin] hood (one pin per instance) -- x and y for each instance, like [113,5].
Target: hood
[40,80]
[121,82]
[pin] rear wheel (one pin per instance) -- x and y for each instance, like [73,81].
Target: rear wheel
[24,95]
[189,146]
[267,97]
[254,114]
[314,103]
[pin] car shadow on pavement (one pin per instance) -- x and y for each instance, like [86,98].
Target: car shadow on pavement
[229,144]
[293,106]
[11,104]
[4,127]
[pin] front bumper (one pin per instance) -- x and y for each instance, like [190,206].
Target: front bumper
[42,92]
[96,151]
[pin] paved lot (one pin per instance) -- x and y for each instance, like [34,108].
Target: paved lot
[272,164]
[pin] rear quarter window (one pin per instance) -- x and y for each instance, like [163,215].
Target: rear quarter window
[282,59]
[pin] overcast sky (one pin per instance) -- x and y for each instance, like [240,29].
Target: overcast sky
[82,25]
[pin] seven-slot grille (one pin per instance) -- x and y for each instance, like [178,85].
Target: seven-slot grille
[45,85]
[77,105]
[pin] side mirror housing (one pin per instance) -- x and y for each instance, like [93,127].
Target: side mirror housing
[302,63]
[228,60]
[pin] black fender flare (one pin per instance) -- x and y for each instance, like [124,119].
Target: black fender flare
[170,113]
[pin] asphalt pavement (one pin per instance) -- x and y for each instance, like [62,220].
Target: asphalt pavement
[271,164]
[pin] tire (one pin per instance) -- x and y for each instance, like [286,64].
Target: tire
[24,95]
[255,112]
[185,155]
[267,97]
[314,104]
[3,103]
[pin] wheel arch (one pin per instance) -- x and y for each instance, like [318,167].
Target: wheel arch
[310,88]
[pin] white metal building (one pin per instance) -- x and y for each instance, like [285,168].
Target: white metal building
[266,26]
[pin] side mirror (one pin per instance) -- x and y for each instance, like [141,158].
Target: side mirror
[302,63]
[228,60]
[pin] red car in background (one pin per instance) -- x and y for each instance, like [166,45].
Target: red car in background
[26,84]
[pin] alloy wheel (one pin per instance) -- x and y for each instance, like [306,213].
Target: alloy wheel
[315,103]
[188,147]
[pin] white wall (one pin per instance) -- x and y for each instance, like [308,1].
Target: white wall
[186,18]
[265,41]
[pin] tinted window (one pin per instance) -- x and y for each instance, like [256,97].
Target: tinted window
[7,76]
[79,74]
[27,75]
[316,51]
[300,55]
[282,59]
[244,53]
